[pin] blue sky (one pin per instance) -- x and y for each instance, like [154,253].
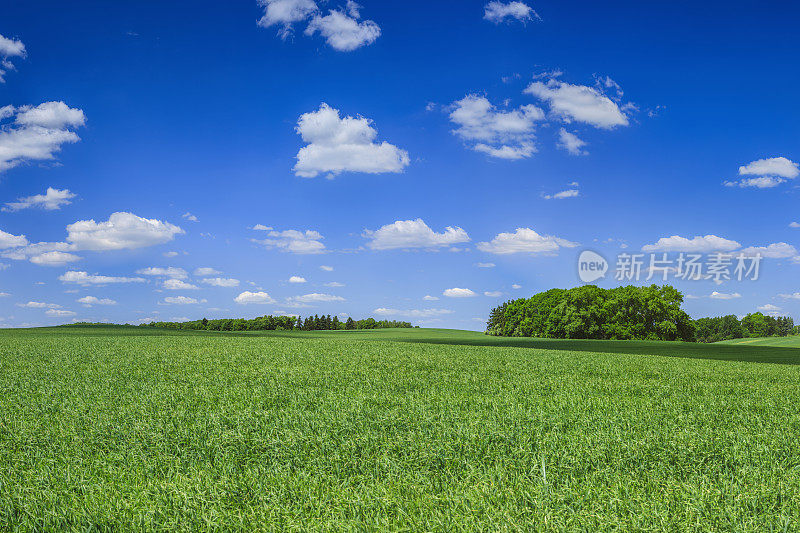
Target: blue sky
[654,120]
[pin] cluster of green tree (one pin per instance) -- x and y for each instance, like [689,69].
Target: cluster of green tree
[315,323]
[728,327]
[589,312]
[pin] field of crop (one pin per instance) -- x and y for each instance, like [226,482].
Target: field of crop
[130,428]
[789,342]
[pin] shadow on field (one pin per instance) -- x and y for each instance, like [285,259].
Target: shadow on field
[721,352]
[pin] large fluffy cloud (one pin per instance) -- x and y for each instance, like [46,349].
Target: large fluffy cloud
[457,292]
[578,103]
[502,134]
[248,297]
[7,240]
[698,244]
[406,234]
[292,240]
[121,231]
[52,199]
[285,13]
[9,48]
[524,240]
[498,12]
[36,133]
[337,145]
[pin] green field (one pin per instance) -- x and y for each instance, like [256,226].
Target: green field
[393,430]
[787,342]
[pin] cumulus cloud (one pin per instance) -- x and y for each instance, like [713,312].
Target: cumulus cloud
[167,272]
[178,285]
[294,241]
[54,258]
[89,301]
[7,240]
[297,279]
[9,49]
[59,312]
[571,142]
[220,282]
[337,145]
[52,199]
[180,300]
[121,231]
[39,305]
[498,12]
[84,278]
[769,172]
[698,244]
[406,234]
[768,308]
[457,292]
[724,296]
[259,297]
[777,250]
[411,313]
[524,240]
[36,133]
[501,134]
[578,103]
[342,30]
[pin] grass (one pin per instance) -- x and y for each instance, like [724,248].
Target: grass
[785,342]
[131,428]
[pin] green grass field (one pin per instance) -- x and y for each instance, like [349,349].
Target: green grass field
[395,430]
[787,342]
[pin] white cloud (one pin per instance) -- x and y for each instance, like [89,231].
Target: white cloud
[89,301]
[493,294]
[221,282]
[39,305]
[334,284]
[343,31]
[337,145]
[773,166]
[578,103]
[794,225]
[37,133]
[180,300]
[84,278]
[571,142]
[411,313]
[297,279]
[502,134]
[724,296]
[768,308]
[456,292]
[54,258]
[171,254]
[8,240]
[793,296]
[698,244]
[9,48]
[59,312]
[485,265]
[294,241]
[206,271]
[178,285]
[313,298]
[121,231]
[769,172]
[326,268]
[261,227]
[190,217]
[498,12]
[52,199]
[524,240]
[429,298]
[285,13]
[167,272]
[574,192]
[778,250]
[516,286]
[413,234]
[248,297]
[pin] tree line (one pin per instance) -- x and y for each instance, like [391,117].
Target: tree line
[272,323]
[624,313]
